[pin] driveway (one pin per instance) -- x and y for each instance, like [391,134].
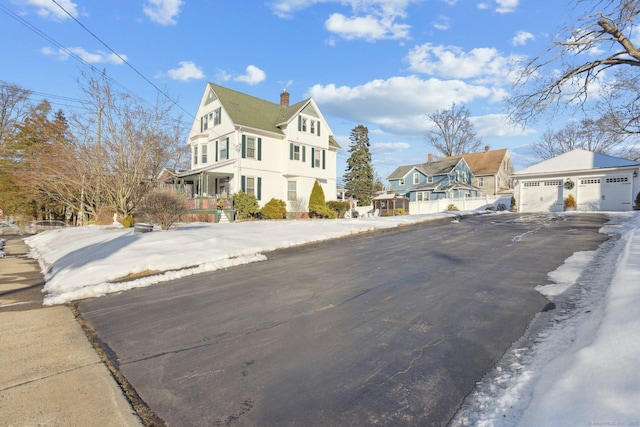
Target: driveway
[385,328]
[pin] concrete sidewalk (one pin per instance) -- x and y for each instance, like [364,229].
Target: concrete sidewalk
[50,373]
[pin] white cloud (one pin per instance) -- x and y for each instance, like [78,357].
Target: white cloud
[187,71]
[388,147]
[99,57]
[163,12]
[396,105]
[507,6]
[521,38]
[366,27]
[370,19]
[442,23]
[453,62]
[254,76]
[497,125]
[49,10]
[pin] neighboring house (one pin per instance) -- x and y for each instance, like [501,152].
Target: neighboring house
[242,143]
[449,178]
[598,182]
[492,170]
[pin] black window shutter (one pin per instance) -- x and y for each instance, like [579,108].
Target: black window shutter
[259,188]
[304,154]
[244,146]
[216,151]
[227,149]
[324,159]
[313,157]
[291,151]
[299,123]
[259,148]
[318,127]
[243,182]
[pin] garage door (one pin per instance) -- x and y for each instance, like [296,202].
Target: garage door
[606,193]
[542,196]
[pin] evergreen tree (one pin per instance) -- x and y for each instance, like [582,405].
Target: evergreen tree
[358,178]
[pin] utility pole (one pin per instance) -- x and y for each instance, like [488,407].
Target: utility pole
[99,147]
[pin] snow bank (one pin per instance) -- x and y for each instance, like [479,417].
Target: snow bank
[577,364]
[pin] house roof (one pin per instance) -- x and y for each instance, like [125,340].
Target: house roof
[485,162]
[577,160]
[437,167]
[247,110]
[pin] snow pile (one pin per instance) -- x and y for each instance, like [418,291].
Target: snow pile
[577,364]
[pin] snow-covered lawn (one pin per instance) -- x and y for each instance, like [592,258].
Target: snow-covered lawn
[577,365]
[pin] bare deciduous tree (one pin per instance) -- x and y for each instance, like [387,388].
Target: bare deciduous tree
[591,135]
[14,106]
[453,133]
[126,143]
[583,53]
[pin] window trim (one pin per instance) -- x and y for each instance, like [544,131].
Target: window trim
[295,190]
[204,154]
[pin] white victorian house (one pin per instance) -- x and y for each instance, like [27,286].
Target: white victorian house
[271,150]
[597,182]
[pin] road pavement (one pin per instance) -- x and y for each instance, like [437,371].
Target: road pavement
[386,328]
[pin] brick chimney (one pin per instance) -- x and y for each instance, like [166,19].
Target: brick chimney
[430,157]
[284,98]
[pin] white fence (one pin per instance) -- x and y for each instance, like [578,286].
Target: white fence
[464,204]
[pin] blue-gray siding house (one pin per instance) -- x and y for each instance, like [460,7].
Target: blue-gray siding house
[449,178]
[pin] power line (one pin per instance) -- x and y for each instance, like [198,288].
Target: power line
[122,59]
[73,55]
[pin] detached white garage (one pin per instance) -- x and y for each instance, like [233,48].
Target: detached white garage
[597,182]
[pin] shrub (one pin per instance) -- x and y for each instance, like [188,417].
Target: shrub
[638,200]
[452,207]
[569,202]
[513,203]
[317,206]
[400,211]
[127,221]
[246,205]
[322,211]
[274,209]
[317,195]
[339,207]
[163,207]
[502,207]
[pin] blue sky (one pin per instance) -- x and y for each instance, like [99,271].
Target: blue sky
[386,64]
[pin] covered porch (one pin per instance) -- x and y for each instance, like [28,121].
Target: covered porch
[208,191]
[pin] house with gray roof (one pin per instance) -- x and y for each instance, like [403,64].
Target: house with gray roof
[597,182]
[272,150]
[448,178]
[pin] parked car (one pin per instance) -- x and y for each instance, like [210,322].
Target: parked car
[44,225]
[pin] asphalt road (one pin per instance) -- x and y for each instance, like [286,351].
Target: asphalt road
[386,328]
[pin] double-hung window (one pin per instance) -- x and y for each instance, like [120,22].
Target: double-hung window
[296,152]
[195,154]
[224,155]
[250,185]
[217,116]
[292,193]
[481,181]
[416,178]
[205,149]
[251,148]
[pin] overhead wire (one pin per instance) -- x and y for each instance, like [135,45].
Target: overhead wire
[73,55]
[124,60]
